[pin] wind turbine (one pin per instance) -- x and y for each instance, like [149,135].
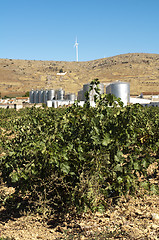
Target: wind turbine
[76,45]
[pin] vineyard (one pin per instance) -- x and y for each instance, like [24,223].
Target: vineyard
[77,159]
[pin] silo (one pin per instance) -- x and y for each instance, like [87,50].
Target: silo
[41,96]
[92,93]
[60,94]
[80,95]
[86,88]
[36,96]
[31,96]
[45,96]
[71,97]
[51,94]
[101,88]
[120,90]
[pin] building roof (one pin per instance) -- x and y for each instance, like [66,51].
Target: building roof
[22,98]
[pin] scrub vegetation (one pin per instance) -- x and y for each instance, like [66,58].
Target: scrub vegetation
[139,69]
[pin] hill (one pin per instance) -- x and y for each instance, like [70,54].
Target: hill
[20,76]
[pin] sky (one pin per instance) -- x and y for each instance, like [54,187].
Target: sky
[47,29]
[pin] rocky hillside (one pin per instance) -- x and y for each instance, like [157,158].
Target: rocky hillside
[20,76]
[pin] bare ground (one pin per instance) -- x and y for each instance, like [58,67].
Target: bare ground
[139,69]
[133,217]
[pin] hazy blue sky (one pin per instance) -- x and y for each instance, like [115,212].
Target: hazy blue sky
[47,29]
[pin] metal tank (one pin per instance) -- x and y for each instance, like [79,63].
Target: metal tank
[120,90]
[101,88]
[51,94]
[60,94]
[71,96]
[45,96]
[86,88]
[36,96]
[31,96]
[41,96]
[80,95]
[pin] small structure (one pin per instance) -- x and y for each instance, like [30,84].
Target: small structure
[142,101]
[61,74]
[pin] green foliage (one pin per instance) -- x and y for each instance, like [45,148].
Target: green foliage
[61,70]
[79,156]
[26,94]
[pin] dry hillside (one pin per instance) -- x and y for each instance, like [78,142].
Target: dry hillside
[20,76]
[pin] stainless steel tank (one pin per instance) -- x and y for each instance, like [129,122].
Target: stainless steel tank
[31,96]
[80,96]
[41,96]
[71,97]
[101,88]
[51,94]
[45,96]
[60,94]
[86,88]
[36,96]
[120,90]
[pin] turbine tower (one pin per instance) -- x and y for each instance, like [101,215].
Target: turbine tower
[76,45]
